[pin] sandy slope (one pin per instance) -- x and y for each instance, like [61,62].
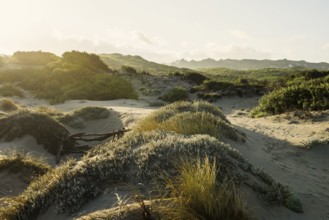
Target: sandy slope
[273,144]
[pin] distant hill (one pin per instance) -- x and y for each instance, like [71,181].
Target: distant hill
[248,64]
[116,61]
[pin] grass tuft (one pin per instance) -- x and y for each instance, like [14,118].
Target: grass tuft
[198,195]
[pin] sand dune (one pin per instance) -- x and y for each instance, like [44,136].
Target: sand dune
[273,143]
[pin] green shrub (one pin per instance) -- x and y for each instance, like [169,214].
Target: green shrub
[128,69]
[33,57]
[199,123]
[10,90]
[82,60]
[74,76]
[175,94]
[195,77]
[189,118]
[297,97]
[216,85]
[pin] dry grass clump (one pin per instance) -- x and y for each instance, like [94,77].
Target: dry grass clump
[198,194]
[7,105]
[136,158]
[44,128]
[189,118]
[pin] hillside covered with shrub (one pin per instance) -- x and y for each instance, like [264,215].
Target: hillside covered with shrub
[76,75]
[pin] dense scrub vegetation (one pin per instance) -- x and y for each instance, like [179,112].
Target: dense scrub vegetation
[33,58]
[175,94]
[296,97]
[117,61]
[75,76]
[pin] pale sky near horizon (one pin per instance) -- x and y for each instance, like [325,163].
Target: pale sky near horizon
[167,30]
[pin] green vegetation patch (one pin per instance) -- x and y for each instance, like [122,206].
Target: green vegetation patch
[297,97]
[75,76]
[33,57]
[189,118]
[175,94]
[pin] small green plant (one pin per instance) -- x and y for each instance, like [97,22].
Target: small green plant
[175,94]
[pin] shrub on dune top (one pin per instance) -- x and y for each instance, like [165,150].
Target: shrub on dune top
[175,94]
[189,118]
[297,97]
[47,131]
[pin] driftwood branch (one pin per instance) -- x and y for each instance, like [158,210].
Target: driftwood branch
[74,147]
[98,136]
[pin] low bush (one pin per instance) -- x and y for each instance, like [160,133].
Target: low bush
[189,118]
[33,57]
[297,97]
[47,131]
[195,77]
[175,94]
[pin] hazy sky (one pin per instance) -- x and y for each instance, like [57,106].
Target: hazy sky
[166,30]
